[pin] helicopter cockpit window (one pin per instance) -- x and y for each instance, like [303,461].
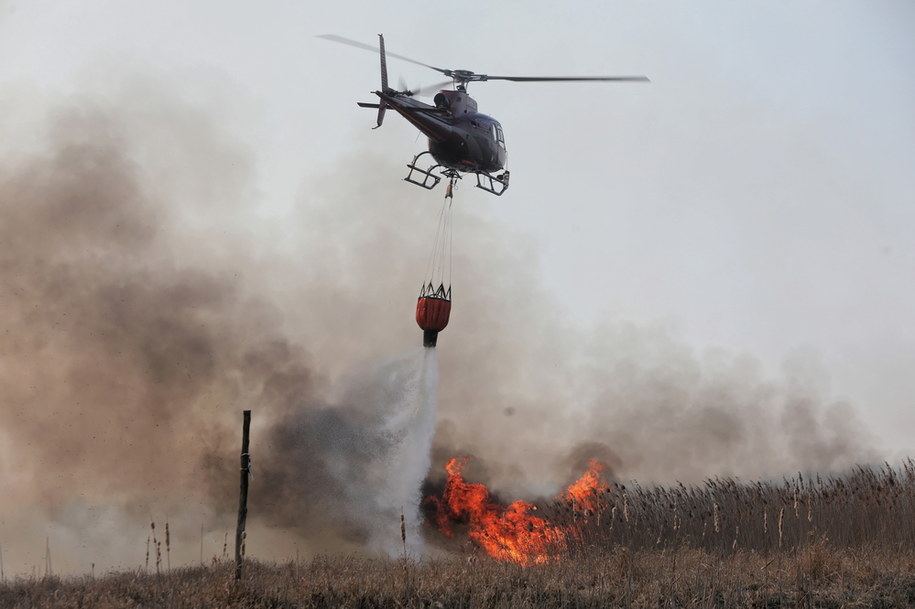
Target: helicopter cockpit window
[497,132]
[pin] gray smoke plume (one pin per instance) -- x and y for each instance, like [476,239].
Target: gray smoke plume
[131,345]
[144,306]
[347,471]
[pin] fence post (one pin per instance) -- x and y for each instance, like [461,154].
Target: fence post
[243,495]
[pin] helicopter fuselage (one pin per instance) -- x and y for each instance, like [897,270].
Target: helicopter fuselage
[460,138]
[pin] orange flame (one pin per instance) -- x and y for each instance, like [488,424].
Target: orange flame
[585,492]
[509,533]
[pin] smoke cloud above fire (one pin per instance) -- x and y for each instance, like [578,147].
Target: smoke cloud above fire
[145,303]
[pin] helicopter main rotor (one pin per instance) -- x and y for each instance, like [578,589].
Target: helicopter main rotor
[461,78]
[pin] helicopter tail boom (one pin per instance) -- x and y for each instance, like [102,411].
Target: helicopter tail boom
[402,102]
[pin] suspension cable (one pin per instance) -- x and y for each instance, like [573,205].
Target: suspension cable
[440,259]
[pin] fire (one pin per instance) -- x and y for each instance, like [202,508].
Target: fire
[585,492]
[509,533]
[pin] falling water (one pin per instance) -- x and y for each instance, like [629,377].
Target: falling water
[382,477]
[413,421]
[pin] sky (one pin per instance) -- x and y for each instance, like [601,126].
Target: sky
[756,198]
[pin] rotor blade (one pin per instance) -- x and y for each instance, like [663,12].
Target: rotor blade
[567,78]
[368,47]
[430,89]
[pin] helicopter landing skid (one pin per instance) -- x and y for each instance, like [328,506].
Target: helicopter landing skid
[428,179]
[494,184]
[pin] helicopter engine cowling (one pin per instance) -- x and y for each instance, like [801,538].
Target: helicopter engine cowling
[456,102]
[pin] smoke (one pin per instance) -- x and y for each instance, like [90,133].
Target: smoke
[134,335]
[351,469]
[144,306]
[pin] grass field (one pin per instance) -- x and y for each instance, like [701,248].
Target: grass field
[805,542]
[819,576]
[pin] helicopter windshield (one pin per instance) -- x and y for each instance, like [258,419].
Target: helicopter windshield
[497,133]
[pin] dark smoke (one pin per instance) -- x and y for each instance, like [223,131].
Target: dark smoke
[143,308]
[131,345]
[125,362]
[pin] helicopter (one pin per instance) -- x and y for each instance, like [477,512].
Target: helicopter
[461,139]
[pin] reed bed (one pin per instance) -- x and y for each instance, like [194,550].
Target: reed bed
[867,507]
[804,541]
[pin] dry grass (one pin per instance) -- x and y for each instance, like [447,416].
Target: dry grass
[821,577]
[868,507]
[820,542]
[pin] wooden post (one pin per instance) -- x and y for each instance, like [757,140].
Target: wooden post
[243,496]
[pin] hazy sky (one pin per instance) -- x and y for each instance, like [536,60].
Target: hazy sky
[758,196]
